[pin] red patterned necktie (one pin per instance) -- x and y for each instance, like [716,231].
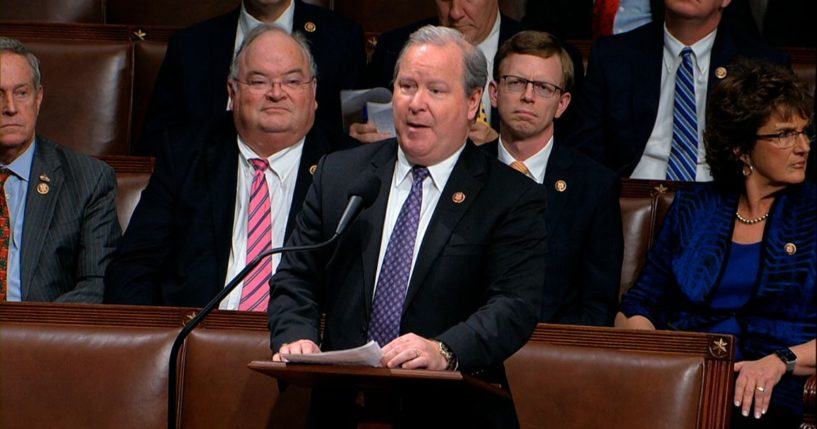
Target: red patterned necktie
[5,235]
[604,15]
[255,292]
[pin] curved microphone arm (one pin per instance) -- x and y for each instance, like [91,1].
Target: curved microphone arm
[207,309]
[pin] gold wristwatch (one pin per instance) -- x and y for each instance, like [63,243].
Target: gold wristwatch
[450,357]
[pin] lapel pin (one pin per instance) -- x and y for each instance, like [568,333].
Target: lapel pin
[313,168]
[790,248]
[43,188]
[560,185]
[720,72]
[45,178]
[310,26]
[458,197]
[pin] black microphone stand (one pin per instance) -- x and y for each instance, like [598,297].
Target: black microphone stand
[207,309]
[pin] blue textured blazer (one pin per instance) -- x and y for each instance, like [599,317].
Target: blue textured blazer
[684,268]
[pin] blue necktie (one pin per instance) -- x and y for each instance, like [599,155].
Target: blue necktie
[683,157]
[395,271]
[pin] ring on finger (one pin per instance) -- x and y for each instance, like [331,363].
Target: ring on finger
[761,389]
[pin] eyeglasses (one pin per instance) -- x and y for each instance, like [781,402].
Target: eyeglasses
[261,85]
[518,84]
[787,139]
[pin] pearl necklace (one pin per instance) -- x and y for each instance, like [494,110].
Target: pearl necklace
[751,221]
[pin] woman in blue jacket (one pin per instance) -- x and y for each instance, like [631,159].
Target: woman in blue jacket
[739,255]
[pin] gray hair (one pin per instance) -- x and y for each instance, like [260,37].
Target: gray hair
[272,28]
[474,62]
[14,46]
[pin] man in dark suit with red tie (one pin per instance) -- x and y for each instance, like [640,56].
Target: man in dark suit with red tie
[445,270]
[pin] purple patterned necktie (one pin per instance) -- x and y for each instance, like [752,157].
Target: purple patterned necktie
[396,268]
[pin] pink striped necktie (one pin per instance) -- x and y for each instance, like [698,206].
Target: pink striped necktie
[255,292]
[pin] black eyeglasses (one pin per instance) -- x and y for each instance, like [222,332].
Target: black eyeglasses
[519,84]
[787,139]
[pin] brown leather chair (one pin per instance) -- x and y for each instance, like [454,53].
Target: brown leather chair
[106,366]
[61,369]
[53,10]
[218,390]
[588,377]
[644,204]
[132,177]
[149,55]
[87,99]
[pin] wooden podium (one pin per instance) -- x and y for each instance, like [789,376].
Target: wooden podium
[379,386]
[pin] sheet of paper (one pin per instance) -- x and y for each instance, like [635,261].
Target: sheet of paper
[382,116]
[368,354]
[353,103]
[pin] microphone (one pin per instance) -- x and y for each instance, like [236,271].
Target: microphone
[361,195]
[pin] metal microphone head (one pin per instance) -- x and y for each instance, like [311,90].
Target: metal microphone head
[361,195]
[367,188]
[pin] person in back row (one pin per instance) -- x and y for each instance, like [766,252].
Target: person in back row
[190,86]
[641,111]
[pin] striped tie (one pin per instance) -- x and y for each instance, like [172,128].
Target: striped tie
[5,235]
[255,292]
[683,157]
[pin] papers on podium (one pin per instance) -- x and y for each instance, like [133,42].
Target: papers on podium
[368,354]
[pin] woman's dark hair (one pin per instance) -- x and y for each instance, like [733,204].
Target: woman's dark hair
[742,102]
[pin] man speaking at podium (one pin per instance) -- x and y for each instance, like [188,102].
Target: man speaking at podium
[445,270]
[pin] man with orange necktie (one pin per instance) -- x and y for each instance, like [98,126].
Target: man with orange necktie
[222,194]
[533,76]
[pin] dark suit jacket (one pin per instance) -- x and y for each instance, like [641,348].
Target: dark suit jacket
[192,83]
[585,244]
[617,108]
[70,231]
[177,245]
[684,268]
[476,283]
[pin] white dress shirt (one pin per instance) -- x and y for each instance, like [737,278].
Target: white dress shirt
[247,22]
[281,178]
[536,163]
[654,160]
[489,46]
[400,189]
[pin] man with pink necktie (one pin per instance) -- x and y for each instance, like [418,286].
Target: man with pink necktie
[224,192]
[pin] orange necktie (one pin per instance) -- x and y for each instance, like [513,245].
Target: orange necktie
[522,168]
[5,234]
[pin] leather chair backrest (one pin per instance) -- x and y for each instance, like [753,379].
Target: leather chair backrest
[148,56]
[157,12]
[580,387]
[86,105]
[70,376]
[637,221]
[53,10]
[219,390]
[571,376]
[129,187]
